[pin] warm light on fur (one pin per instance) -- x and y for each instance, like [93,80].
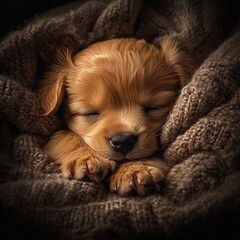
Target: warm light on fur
[117,92]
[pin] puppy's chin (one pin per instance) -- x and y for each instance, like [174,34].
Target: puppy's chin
[120,158]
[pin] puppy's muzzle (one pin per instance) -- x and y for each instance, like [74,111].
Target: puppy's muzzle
[123,142]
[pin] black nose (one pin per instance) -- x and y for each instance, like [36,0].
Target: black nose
[123,142]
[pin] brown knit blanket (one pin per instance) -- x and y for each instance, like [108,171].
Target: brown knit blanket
[200,139]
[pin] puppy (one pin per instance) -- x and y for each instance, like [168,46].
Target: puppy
[117,95]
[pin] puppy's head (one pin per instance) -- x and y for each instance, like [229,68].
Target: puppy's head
[118,94]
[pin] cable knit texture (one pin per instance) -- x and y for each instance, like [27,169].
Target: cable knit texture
[200,139]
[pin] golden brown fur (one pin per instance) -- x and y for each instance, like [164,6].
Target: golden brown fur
[118,95]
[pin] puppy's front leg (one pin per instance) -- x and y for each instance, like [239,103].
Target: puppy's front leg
[76,158]
[138,177]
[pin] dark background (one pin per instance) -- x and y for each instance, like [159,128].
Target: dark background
[14,14]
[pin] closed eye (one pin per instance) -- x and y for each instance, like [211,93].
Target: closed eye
[149,109]
[157,112]
[90,114]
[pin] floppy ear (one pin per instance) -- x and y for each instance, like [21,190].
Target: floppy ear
[51,89]
[181,62]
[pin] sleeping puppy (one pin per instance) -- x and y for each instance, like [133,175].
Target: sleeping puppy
[117,95]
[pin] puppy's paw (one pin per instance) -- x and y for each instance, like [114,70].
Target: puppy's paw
[138,178]
[87,167]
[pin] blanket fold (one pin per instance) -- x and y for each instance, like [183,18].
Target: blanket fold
[201,138]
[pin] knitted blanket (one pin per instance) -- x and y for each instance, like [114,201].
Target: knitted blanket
[200,139]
